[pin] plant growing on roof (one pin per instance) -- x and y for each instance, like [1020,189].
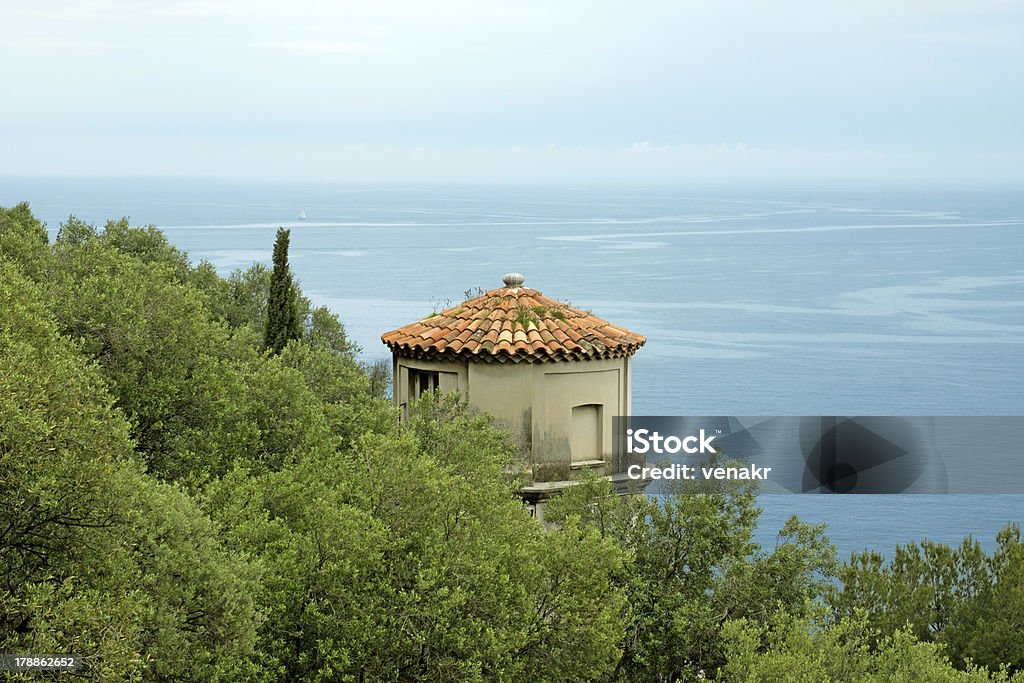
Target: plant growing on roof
[525,316]
[438,305]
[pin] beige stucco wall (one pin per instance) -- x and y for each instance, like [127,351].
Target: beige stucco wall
[535,401]
[505,391]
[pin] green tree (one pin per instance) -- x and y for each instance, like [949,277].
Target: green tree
[148,245]
[692,567]
[75,231]
[970,602]
[988,630]
[61,440]
[814,648]
[342,391]
[380,374]
[97,557]
[283,322]
[407,557]
[326,330]
[23,240]
[180,376]
[200,395]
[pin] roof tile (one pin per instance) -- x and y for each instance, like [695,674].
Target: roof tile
[513,324]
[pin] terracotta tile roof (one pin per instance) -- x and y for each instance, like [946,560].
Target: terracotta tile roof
[513,324]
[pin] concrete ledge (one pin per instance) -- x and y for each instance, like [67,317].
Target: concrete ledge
[543,491]
[591,464]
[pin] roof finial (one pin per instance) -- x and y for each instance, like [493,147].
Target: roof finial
[513,279]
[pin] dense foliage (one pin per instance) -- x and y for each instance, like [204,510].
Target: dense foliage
[178,502]
[967,601]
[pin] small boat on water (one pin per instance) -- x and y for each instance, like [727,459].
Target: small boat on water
[302,215]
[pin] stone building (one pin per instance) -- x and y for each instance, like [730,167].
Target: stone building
[549,373]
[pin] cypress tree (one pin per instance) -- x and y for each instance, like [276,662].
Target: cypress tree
[282,309]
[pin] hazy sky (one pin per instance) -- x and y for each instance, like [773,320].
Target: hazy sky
[512,91]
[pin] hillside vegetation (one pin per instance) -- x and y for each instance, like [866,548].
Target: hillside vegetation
[180,503]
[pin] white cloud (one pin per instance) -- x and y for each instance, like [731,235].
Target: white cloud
[642,162]
[45,43]
[326,46]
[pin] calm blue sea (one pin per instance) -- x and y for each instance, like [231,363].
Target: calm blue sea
[755,300]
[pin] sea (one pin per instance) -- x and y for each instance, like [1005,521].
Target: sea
[756,299]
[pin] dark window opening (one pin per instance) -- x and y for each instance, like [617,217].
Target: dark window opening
[422,381]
